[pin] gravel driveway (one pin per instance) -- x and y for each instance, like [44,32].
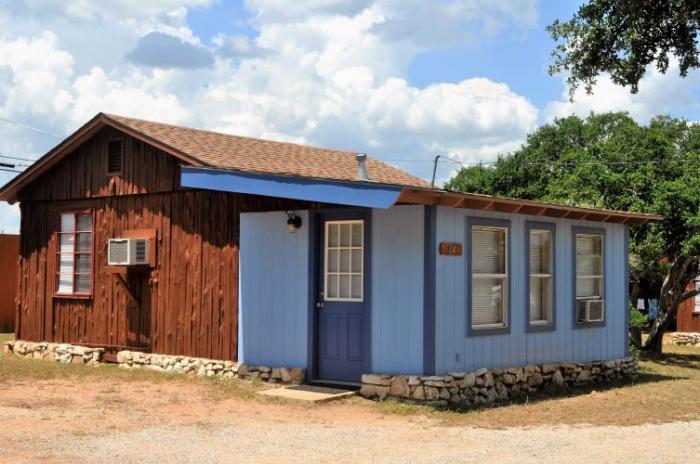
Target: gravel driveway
[61,422]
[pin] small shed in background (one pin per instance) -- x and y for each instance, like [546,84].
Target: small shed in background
[9,252]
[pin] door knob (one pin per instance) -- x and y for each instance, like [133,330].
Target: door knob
[319,305]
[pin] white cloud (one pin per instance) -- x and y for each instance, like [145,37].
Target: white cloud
[9,218]
[325,72]
[658,94]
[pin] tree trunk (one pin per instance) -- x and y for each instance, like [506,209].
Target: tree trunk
[673,293]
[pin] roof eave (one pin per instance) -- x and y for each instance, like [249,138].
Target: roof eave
[515,206]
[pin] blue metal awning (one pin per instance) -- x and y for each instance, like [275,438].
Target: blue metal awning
[298,188]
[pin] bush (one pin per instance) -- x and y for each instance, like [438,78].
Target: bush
[637,323]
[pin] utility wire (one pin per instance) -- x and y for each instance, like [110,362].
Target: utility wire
[17,158]
[27,126]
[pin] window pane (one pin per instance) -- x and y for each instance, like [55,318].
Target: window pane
[540,298]
[65,264]
[540,251]
[85,222]
[357,235]
[345,235]
[84,242]
[84,263]
[65,283]
[344,260]
[356,260]
[488,250]
[332,286]
[357,286]
[82,284]
[67,222]
[344,291]
[487,301]
[332,260]
[333,235]
[67,242]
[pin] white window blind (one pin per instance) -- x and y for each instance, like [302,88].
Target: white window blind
[589,277]
[540,268]
[74,254]
[696,308]
[489,290]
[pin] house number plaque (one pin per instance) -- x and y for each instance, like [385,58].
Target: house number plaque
[450,249]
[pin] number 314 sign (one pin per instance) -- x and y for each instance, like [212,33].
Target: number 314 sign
[450,249]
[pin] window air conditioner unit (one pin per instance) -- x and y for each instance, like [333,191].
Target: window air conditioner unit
[127,251]
[589,310]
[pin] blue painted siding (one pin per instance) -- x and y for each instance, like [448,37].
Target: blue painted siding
[397,289]
[455,351]
[273,297]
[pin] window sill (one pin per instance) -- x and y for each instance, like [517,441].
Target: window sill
[492,329]
[541,326]
[589,325]
[73,296]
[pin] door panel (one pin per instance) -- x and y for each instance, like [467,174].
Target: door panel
[343,308]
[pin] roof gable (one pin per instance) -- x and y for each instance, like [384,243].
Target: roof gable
[196,147]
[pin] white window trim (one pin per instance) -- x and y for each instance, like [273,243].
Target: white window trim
[326,274]
[504,277]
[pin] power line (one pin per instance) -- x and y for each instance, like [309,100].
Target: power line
[10,170]
[17,158]
[27,126]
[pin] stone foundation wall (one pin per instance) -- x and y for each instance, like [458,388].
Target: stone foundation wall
[58,352]
[208,367]
[488,386]
[74,354]
[685,338]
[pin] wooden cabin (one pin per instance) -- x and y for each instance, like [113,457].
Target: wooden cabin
[286,255]
[688,317]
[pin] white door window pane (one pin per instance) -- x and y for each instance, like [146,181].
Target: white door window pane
[344,267]
[344,260]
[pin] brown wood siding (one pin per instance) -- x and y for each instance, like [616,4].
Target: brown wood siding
[83,173]
[687,320]
[187,304]
[9,253]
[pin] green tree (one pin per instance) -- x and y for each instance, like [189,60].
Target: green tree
[610,161]
[622,37]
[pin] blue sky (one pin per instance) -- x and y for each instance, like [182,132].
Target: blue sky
[402,80]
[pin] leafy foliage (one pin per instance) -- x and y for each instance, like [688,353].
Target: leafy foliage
[610,161]
[622,37]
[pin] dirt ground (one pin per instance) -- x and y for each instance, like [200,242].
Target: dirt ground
[74,414]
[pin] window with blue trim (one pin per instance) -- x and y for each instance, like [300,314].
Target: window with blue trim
[590,303]
[489,279]
[540,267]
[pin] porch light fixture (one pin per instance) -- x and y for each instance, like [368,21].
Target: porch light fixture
[293,222]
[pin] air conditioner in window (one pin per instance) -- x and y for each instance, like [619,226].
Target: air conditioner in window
[127,251]
[589,310]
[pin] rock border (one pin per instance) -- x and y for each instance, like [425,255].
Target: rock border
[489,386]
[685,338]
[75,354]
[63,353]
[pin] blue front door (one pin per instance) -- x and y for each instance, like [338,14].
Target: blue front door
[343,309]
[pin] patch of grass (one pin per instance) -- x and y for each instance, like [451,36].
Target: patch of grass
[667,390]
[14,369]
[6,337]
[391,406]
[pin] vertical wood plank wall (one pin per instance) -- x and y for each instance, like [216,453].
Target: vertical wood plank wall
[188,303]
[688,320]
[456,351]
[9,253]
